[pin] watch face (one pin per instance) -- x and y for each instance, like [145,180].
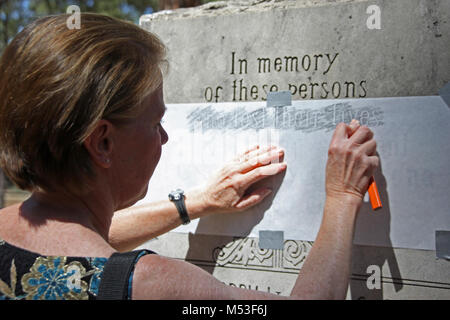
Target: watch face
[176,195]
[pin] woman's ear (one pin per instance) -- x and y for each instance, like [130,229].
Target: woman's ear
[99,143]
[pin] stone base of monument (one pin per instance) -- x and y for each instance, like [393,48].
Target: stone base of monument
[375,272]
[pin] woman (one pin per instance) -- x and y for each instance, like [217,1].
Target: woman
[80,118]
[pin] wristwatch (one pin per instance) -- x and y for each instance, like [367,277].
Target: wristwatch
[177,197]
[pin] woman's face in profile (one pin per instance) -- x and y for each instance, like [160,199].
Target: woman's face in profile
[140,148]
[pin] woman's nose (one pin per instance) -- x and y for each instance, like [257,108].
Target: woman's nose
[164,136]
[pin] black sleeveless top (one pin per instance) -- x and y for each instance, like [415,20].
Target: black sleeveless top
[28,275]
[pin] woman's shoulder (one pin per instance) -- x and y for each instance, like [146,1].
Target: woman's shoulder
[159,277]
[150,280]
[51,237]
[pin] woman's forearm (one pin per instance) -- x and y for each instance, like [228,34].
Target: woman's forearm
[134,226]
[225,192]
[326,271]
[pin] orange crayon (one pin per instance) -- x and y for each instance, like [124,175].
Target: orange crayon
[374,196]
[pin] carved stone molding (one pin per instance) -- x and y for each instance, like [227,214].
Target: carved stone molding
[245,253]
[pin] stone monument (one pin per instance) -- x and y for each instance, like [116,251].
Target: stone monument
[238,51]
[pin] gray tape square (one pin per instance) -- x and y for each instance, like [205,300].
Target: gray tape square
[443,244]
[445,93]
[271,239]
[279,99]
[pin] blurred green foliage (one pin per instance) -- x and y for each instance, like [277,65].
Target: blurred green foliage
[15,14]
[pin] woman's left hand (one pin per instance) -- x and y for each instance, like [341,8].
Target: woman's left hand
[226,190]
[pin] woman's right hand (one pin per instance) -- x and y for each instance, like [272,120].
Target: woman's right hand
[351,162]
[227,190]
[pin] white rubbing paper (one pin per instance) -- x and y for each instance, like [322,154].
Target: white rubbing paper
[412,134]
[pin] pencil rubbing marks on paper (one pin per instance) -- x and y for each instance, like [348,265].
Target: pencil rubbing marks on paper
[207,118]
[283,118]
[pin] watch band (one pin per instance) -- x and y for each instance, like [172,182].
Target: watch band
[181,207]
[177,197]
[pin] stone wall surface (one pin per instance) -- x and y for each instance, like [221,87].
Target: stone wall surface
[239,51]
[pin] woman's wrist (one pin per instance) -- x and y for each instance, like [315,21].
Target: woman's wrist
[345,198]
[342,206]
[195,204]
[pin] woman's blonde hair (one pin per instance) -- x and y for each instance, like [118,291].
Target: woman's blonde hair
[56,83]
